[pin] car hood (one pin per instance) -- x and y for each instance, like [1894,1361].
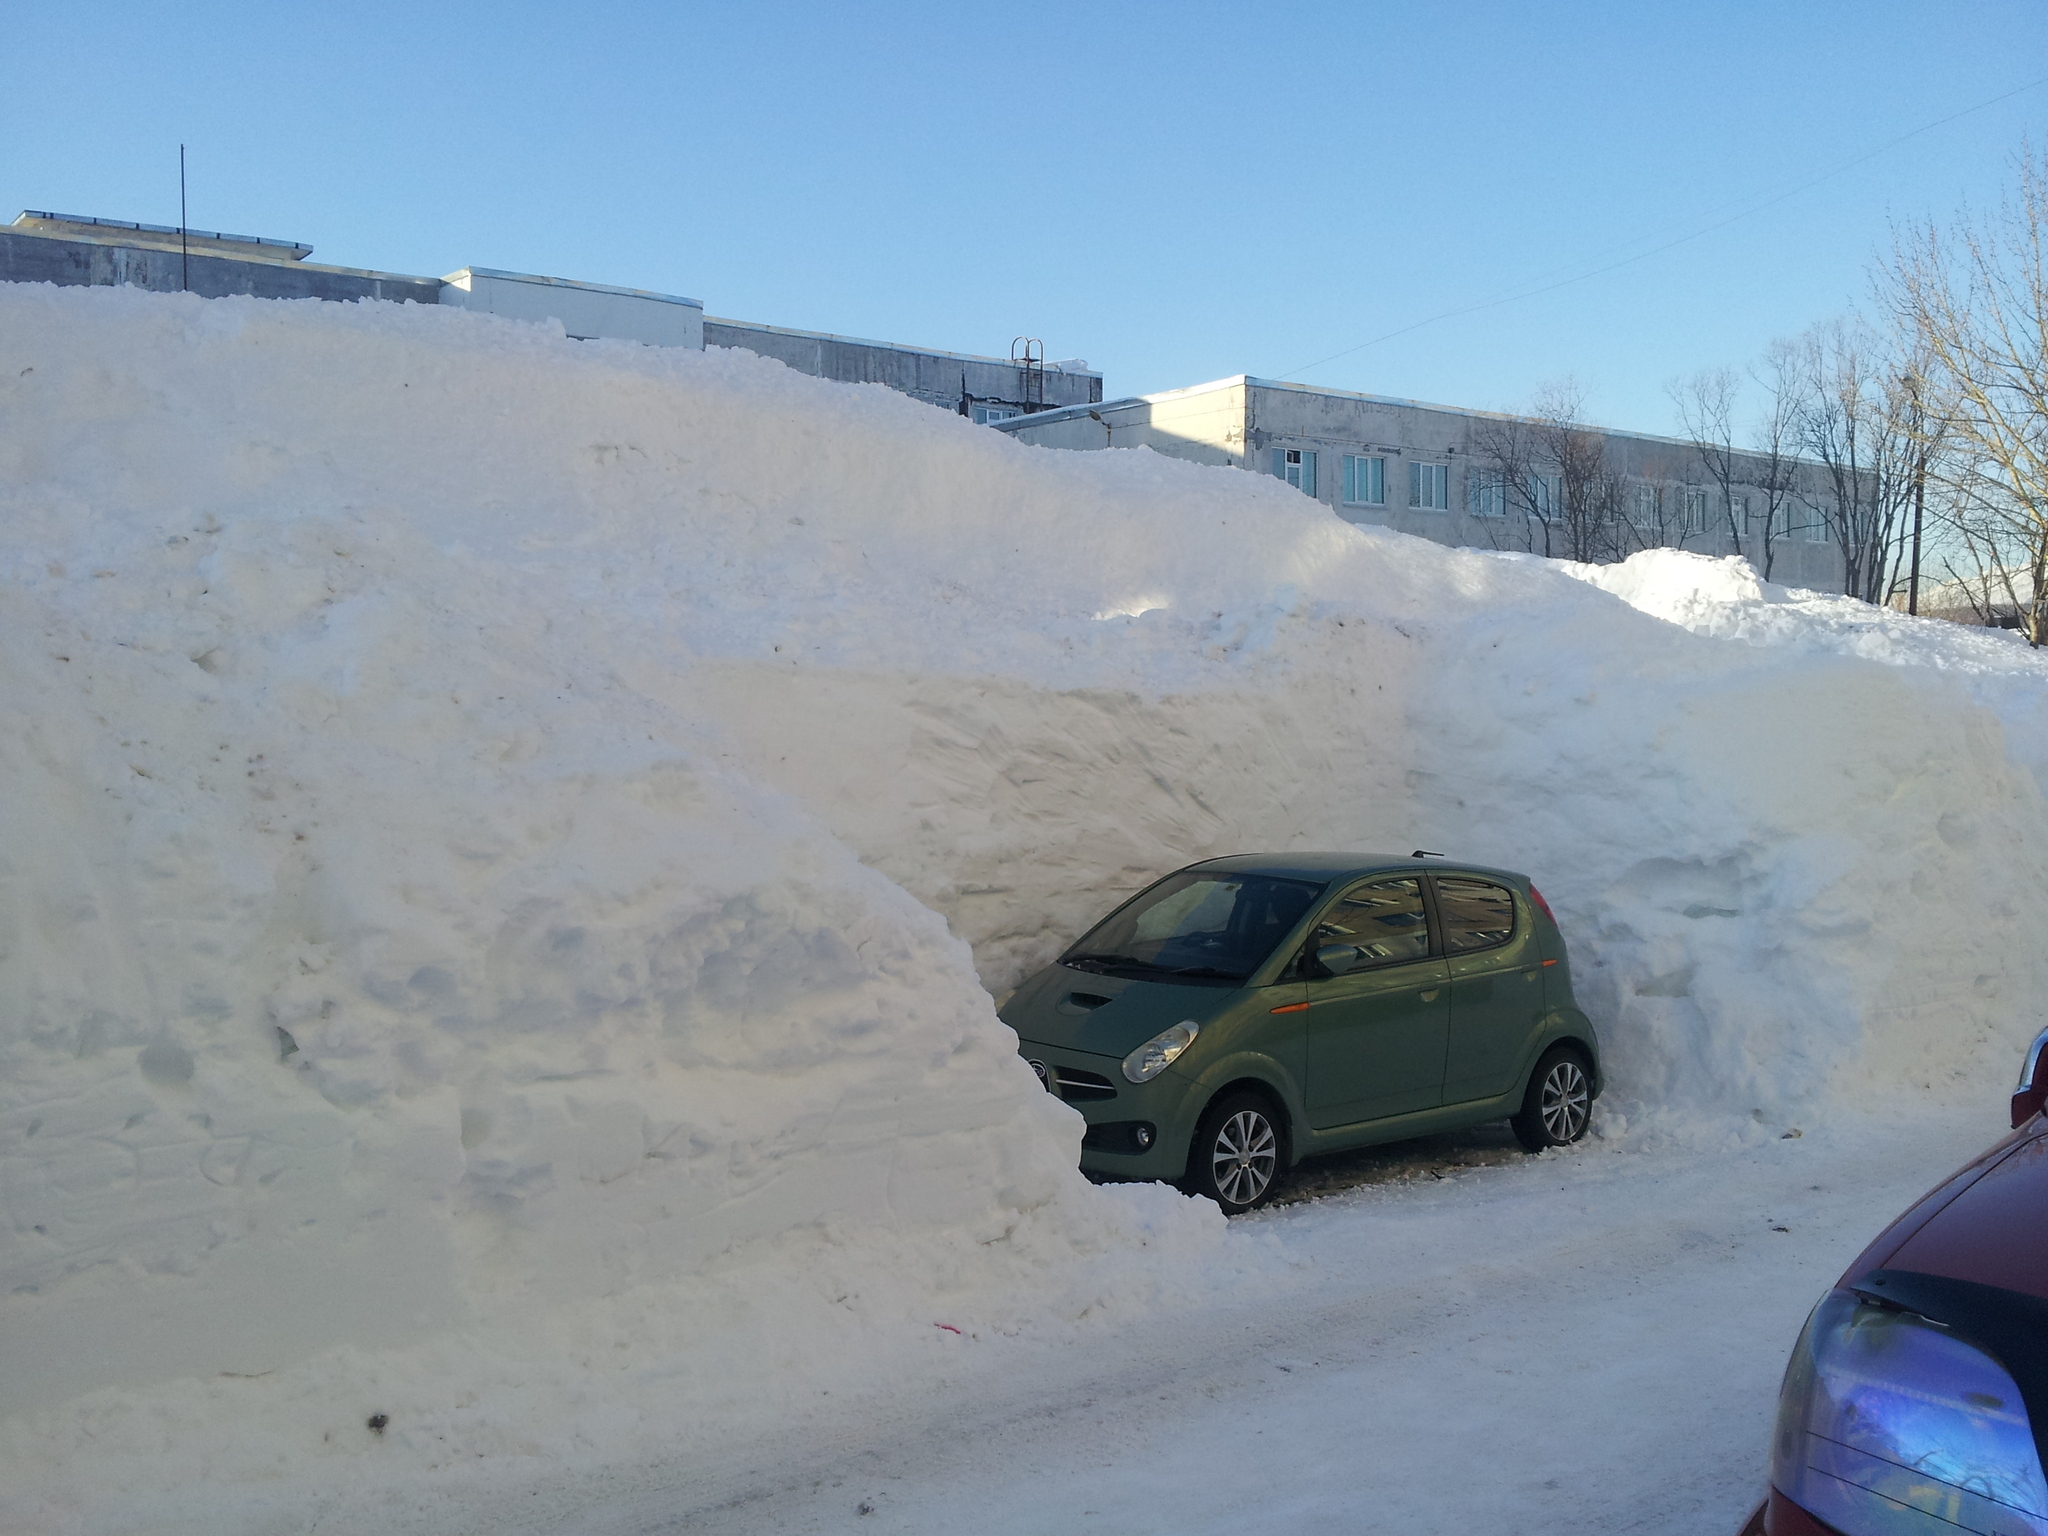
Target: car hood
[1106,1015]
[1988,1224]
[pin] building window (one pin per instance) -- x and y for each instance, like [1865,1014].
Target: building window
[1429,486]
[1297,466]
[1817,531]
[1486,495]
[984,414]
[1646,503]
[1738,513]
[1365,481]
[1545,492]
[1695,512]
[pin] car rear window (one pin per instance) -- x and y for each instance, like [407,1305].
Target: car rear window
[1477,914]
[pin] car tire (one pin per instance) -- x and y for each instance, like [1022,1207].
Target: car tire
[1559,1103]
[1239,1152]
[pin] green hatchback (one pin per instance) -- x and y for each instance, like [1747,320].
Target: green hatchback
[1247,1012]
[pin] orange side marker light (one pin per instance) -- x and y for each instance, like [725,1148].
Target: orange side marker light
[1292,1008]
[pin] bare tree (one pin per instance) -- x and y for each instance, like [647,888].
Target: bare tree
[1773,461]
[1555,476]
[1623,531]
[1853,422]
[1656,516]
[1922,421]
[1585,484]
[1974,300]
[1994,566]
[1706,410]
[1504,454]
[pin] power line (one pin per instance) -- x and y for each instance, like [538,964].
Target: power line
[1771,202]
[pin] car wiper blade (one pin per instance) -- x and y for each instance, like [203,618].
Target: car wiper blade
[1133,963]
[1104,962]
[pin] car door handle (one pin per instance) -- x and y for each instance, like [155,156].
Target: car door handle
[1430,995]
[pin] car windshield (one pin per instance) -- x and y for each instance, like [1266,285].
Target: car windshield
[1196,927]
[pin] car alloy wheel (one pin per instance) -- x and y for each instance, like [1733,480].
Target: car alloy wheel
[1559,1101]
[1243,1157]
[1567,1101]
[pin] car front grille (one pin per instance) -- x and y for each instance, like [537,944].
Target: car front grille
[1072,1083]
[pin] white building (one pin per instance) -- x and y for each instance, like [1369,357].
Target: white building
[1438,471]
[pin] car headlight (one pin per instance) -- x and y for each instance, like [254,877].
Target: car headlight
[1886,1419]
[1160,1052]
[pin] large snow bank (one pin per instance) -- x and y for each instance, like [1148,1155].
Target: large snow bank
[483,815]
[376,958]
[1726,598]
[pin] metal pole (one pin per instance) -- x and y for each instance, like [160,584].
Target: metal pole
[1919,504]
[184,256]
[1919,490]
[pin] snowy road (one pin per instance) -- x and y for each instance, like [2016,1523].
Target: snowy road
[1583,1343]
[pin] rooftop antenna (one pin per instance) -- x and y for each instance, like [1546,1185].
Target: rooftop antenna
[184,255]
[1425,853]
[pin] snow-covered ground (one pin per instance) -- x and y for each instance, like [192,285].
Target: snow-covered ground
[506,849]
[1582,1343]
[1586,1344]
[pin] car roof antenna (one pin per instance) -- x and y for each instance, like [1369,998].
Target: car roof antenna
[1425,853]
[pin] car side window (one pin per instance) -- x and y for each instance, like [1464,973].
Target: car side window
[1384,920]
[1477,914]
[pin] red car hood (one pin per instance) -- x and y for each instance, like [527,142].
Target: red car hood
[1988,1223]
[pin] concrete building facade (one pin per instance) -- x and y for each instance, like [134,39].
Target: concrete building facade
[75,251]
[586,311]
[990,389]
[1437,471]
[78,251]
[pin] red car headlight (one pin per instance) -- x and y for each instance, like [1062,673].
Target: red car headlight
[1892,1425]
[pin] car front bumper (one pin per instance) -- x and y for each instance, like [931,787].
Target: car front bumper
[1116,1109]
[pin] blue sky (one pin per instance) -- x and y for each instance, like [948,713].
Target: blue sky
[1176,193]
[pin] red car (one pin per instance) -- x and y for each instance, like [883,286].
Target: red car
[1916,1400]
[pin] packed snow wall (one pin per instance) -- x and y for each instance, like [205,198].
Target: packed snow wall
[483,814]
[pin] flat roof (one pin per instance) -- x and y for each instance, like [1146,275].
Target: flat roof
[32,219]
[151,243]
[570,282]
[896,346]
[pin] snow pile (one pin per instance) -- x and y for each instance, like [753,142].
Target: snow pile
[484,815]
[377,962]
[1726,598]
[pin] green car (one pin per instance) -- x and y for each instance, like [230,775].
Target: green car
[1247,1012]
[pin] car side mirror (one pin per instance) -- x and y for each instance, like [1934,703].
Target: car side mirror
[2033,1089]
[1336,959]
